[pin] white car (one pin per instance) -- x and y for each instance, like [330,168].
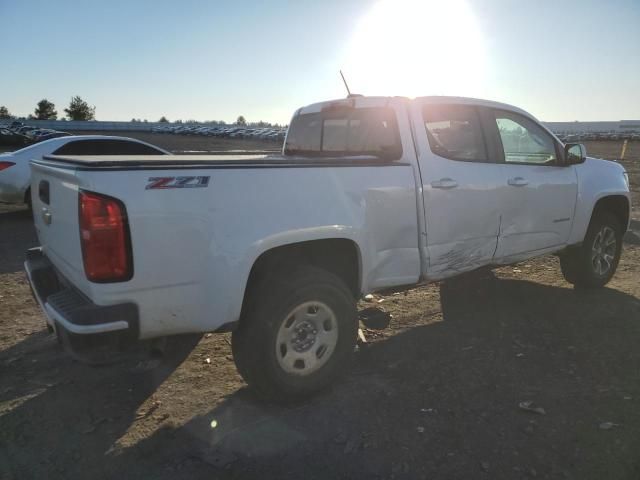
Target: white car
[14,166]
[369,193]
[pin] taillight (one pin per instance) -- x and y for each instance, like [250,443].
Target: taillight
[104,235]
[4,165]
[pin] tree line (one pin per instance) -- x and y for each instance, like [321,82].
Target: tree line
[80,110]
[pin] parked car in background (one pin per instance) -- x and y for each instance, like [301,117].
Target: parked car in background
[275,134]
[14,166]
[24,129]
[13,139]
[19,134]
[49,134]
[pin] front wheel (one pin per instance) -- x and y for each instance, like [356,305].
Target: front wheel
[296,334]
[595,262]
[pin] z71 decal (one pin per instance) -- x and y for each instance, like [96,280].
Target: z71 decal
[162,183]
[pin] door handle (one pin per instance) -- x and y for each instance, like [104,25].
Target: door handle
[444,183]
[518,182]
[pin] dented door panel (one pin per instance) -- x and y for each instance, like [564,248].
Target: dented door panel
[461,204]
[536,216]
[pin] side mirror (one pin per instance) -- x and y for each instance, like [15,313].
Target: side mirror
[574,153]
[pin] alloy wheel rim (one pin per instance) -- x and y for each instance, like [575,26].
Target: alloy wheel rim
[307,338]
[603,251]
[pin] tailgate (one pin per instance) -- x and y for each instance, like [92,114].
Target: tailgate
[55,212]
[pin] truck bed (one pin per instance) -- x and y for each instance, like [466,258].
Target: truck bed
[193,248]
[220,160]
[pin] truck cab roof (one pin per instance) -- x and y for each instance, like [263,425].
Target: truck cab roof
[379,101]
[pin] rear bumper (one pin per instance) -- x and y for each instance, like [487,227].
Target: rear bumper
[69,310]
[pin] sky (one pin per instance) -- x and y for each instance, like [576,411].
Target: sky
[561,60]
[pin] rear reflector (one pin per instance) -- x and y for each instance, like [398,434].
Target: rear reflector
[4,165]
[105,240]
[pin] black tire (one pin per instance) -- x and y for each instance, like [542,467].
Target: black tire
[578,265]
[255,342]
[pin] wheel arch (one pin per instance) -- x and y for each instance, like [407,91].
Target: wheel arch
[618,205]
[340,256]
[582,264]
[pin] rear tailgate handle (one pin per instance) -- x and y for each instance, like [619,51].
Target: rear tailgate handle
[517,182]
[46,216]
[444,183]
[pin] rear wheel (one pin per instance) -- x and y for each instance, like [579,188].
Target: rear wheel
[595,262]
[296,334]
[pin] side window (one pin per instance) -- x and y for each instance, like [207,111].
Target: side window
[124,147]
[106,147]
[77,147]
[523,141]
[454,132]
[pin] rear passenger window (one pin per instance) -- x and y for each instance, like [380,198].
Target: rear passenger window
[454,132]
[106,147]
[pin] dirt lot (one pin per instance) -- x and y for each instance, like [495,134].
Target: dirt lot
[435,396]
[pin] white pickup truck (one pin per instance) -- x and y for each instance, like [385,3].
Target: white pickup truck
[369,193]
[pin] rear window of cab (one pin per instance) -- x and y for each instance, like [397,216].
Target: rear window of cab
[345,131]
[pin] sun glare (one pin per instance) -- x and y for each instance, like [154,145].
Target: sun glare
[414,48]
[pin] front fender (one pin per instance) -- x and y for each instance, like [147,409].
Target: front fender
[597,179]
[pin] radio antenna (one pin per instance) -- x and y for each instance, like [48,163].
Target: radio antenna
[345,84]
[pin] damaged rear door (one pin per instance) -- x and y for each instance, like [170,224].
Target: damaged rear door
[461,185]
